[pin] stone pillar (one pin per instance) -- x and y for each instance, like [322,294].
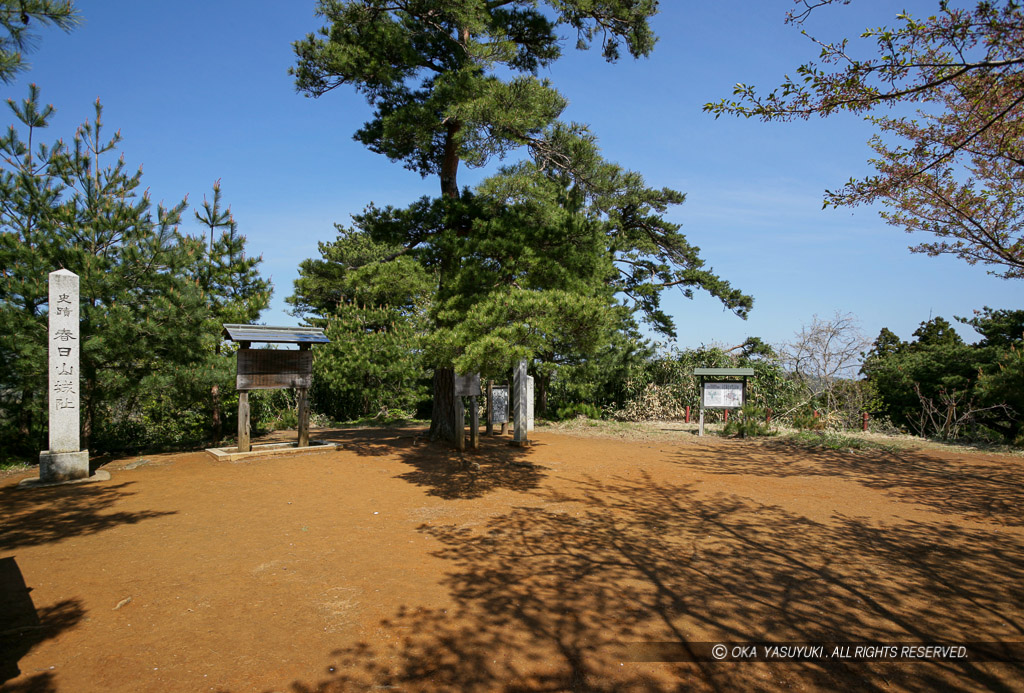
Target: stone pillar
[64,461]
[529,403]
[519,388]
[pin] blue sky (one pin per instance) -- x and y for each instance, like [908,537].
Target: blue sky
[200,92]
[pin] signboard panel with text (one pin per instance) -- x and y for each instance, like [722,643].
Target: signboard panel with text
[722,395]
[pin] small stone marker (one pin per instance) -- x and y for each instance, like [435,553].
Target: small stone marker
[520,386]
[64,461]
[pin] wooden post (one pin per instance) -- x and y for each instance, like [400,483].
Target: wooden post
[303,403]
[243,422]
[726,415]
[768,416]
[303,395]
[474,424]
[687,413]
[489,430]
[864,423]
[700,429]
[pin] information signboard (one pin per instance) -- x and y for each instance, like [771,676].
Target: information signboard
[271,369]
[722,395]
[499,407]
[467,385]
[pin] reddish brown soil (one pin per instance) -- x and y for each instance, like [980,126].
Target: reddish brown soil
[391,565]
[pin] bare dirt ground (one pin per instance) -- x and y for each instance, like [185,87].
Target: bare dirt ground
[391,565]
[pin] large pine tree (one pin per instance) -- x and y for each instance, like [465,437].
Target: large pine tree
[455,82]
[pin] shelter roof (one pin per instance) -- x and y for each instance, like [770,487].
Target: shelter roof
[275,335]
[727,372]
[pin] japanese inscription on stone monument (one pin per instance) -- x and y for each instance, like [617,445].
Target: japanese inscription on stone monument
[64,460]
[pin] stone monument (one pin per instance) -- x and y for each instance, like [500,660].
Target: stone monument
[499,410]
[64,461]
[520,386]
[529,403]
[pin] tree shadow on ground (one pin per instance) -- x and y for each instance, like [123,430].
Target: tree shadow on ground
[441,469]
[34,516]
[22,627]
[547,598]
[977,488]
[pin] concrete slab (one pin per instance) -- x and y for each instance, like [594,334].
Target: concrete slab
[270,449]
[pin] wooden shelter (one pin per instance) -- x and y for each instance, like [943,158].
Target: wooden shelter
[271,369]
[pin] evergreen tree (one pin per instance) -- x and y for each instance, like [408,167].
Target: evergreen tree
[430,69]
[434,73]
[17,19]
[29,238]
[936,377]
[142,316]
[234,290]
[375,313]
[146,313]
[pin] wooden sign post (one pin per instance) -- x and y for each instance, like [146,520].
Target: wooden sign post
[271,369]
[468,386]
[719,393]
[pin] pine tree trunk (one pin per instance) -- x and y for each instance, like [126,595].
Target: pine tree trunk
[443,424]
[218,430]
[445,420]
[25,415]
[542,382]
[450,163]
[89,420]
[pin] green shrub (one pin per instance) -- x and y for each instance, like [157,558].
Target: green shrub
[805,420]
[572,411]
[828,440]
[748,422]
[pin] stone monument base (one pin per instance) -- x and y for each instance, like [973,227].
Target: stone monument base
[100,475]
[63,466]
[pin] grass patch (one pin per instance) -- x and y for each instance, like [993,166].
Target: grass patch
[14,466]
[830,440]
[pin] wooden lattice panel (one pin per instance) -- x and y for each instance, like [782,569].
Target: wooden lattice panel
[272,369]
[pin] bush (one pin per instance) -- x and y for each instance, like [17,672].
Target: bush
[805,420]
[748,422]
[573,411]
[654,403]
